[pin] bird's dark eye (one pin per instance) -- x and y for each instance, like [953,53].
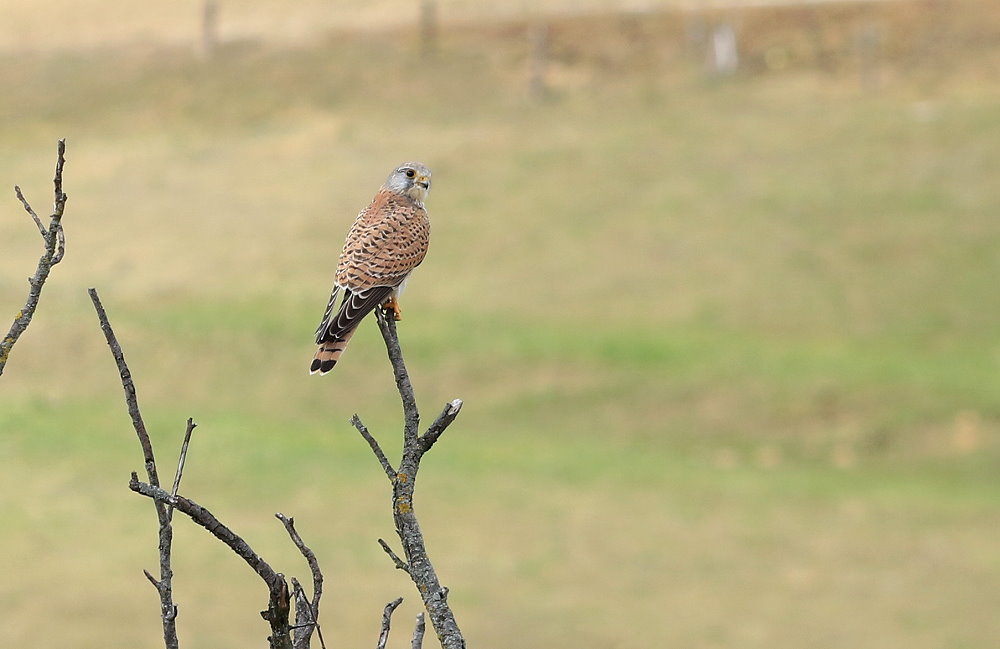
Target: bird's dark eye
[410,173]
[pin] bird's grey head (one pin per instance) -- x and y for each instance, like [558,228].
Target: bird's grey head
[412,179]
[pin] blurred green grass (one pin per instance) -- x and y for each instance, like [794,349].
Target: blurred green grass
[728,350]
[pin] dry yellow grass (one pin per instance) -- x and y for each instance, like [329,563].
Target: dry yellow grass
[45,25]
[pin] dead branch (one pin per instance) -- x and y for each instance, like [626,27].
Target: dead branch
[418,633]
[165,502]
[376,449]
[400,564]
[163,585]
[279,596]
[304,620]
[54,248]
[417,564]
[383,635]
[306,612]
[182,458]
[279,600]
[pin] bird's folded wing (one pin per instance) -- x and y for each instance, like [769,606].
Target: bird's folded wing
[354,307]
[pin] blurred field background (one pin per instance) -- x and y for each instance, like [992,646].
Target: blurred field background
[728,343]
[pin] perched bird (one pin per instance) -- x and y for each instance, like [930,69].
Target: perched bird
[387,241]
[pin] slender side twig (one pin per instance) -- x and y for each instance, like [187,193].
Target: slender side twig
[383,635]
[181,460]
[418,633]
[417,564]
[400,564]
[376,449]
[163,585]
[306,618]
[55,247]
[279,601]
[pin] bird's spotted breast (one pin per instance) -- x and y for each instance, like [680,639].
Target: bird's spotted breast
[388,240]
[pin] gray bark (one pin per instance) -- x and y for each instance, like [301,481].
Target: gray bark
[417,563]
[54,249]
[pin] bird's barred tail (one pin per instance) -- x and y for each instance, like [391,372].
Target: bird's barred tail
[329,353]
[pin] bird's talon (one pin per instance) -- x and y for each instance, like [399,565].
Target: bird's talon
[392,304]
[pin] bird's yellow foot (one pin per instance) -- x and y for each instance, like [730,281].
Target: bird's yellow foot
[392,304]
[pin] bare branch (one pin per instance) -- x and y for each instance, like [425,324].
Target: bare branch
[207,519]
[400,564]
[418,633]
[309,556]
[278,608]
[60,246]
[131,399]
[305,620]
[376,449]
[451,410]
[278,604]
[303,613]
[302,639]
[151,579]
[54,249]
[164,586]
[165,502]
[383,637]
[418,564]
[58,207]
[411,416]
[31,212]
[181,460]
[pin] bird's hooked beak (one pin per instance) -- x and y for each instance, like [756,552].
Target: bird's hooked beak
[421,185]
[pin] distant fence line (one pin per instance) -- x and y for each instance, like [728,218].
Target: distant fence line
[725,36]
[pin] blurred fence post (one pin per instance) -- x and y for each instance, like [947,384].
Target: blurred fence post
[538,53]
[428,27]
[723,53]
[868,41]
[209,27]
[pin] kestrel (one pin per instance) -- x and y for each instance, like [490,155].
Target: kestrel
[387,241]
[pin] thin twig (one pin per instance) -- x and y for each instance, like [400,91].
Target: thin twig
[317,577]
[400,564]
[418,633]
[164,586]
[278,603]
[31,212]
[181,460]
[129,386]
[383,636]
[54,249]
[59,205]
[151,579]
[373,443]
